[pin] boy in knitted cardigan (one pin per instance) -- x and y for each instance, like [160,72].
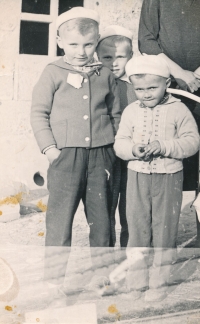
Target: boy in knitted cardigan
[155,134]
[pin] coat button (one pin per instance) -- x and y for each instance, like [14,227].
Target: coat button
[85,80]
[87,139]
[85,117]
[85,97]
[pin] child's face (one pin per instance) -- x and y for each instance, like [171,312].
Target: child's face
[79,49]
[115,57]
[150,89]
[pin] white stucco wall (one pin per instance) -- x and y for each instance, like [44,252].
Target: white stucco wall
[125,13]
[20,157]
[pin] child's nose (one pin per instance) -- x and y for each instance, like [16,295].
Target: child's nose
[147,94]
[81,51]
[115,62]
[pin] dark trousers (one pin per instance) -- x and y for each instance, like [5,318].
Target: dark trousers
[119,198]
[153,211]
[78,173]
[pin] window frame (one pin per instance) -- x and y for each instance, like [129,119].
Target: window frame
[49,19]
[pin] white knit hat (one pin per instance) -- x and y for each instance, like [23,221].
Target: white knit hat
[115,30]
[77,12]
[147,64]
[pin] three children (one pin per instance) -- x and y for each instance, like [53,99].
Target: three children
[75,114]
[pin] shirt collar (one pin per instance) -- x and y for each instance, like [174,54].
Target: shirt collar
[93,65]
[125,78]
[170,99]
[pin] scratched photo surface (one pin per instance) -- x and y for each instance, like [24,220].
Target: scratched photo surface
[97,284]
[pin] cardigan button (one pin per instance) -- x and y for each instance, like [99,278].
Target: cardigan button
[85,97]
[85,117]
[87,139]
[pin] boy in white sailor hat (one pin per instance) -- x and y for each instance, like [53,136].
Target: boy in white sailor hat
[75,115]
[114,51]
[155,134]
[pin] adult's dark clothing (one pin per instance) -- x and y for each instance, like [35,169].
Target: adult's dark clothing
[173,28]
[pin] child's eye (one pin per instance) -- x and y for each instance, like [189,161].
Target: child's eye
[89,45]
[107,57]
[139,89]
[73,44]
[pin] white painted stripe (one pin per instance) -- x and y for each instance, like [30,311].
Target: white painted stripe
[187,242]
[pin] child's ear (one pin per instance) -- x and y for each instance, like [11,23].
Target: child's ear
[131,54]
[168,82]
[98,37]
[59,41]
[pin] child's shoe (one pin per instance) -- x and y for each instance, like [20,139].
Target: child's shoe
[135,294]
[98,284]
[155,295]
[57,297]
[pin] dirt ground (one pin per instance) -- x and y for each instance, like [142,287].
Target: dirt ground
[22,246]
[30,229]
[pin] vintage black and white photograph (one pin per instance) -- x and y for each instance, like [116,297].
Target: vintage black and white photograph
[99,166]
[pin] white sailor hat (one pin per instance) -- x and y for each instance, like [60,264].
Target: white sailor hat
[147,64]
[77,12]
[115,30]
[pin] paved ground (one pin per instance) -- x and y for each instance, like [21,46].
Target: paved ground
[30,229]
[22,246]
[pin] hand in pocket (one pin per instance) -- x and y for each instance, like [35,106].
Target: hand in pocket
[52,154]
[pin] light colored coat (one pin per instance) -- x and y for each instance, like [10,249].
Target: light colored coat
[66,116]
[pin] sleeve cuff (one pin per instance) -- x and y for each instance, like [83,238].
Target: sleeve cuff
[47,148]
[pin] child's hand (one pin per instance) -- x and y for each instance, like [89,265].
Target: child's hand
[52,154]
[139,150]
[153,148]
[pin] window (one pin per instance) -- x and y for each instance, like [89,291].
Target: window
[34,38]
[36,6]
[65,5]
[38,25]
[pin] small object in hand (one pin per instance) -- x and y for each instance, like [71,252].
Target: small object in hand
[148,158]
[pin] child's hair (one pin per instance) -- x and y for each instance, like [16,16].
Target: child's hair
[115,39]
[83,25]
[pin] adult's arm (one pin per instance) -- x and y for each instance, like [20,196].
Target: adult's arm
[187,80]
[148,43]
[149,27]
